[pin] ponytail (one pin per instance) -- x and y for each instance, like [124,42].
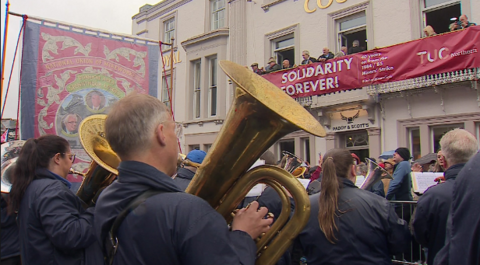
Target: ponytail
[35,153]
[328,200]
[23,174]
[336,164]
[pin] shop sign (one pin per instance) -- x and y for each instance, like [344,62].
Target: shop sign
[349,120]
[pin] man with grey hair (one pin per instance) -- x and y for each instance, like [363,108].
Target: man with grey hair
[170,227]
[430,221]
[306,58]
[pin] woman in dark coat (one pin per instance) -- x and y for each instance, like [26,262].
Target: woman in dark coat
[348,225]
[54,228]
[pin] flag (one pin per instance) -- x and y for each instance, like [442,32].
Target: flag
[5,136]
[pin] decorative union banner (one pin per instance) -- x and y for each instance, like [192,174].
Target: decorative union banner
[69,75]
[434,55]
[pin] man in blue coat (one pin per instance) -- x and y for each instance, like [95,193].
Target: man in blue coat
[186,173]
[400,186]
[430,222]
[171,227]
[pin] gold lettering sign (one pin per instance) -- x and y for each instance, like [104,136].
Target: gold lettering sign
[320,5]
[176,59]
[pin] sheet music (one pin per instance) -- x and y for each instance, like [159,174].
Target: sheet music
[360,180]
[304,182]
[256,190]
[423,180]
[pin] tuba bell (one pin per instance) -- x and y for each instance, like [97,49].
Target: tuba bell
[103,168]
[375,173]
[260,115]
[10,152]
[292,164]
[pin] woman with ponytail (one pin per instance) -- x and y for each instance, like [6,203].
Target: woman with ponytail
[348,225]
[54,227]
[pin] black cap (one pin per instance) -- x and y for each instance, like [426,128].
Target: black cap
[403,153]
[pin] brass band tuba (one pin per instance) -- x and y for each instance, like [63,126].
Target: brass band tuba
[292,164]
[260,115]
[103,168]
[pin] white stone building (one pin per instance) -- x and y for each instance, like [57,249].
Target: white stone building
[412,113]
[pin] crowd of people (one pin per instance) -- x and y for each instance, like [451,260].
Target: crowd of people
[326,55]
[145,217]
[462,23]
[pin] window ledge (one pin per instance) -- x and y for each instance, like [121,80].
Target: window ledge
[200,122]
[223,32]
[272,3]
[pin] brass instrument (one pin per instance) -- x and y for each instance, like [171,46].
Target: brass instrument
[10,152]
[73,171]
[183,161]
[293,164]
[374,174]
[260,115]
[103,168]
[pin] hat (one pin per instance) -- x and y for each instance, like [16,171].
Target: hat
[254,64]
[403,153]
[196,156]
[382,165]
[357,159]
[272,60]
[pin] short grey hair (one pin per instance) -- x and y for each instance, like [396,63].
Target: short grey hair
[132,122]
[458,146]
[306,52]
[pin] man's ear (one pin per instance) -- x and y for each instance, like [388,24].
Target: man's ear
[160,134]
[353,171]
[56,158]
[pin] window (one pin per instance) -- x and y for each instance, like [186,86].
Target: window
[414,142]
[438,131]
[169,30]
[196,88]
[207,147]
[166,91]
[218,14]
[356,140]
[193,147]
[352,28]
[440,14]
[306,149]
[212,93]
[284,49]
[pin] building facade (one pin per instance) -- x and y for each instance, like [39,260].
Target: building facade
[413,113]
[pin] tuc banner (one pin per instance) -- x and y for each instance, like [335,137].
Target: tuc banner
[68,75]
[438,54]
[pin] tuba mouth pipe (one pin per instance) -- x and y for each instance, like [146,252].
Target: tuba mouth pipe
[73,171]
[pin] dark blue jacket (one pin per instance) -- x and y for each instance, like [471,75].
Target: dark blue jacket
[431,214]
[462,244]
[400,188]
[10,245]
[369,231]
[54,228]
[183,178]
[172,227]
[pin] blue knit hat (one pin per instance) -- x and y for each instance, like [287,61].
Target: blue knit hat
[196,156]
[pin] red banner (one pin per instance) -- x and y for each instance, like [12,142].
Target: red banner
[439,54]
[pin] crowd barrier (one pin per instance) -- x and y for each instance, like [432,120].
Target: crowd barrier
[415,253]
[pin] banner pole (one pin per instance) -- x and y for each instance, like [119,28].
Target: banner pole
[171,73]
[5,31]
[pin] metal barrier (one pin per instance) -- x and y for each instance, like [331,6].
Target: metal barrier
[415,253]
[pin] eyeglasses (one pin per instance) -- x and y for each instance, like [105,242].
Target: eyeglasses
[178,129]
[70,156]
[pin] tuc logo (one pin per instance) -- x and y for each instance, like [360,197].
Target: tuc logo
[320,5]
[441,54]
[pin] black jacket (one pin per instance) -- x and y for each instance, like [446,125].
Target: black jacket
[183,178]
[9,234]
[431,213]
[168,228]
[369,231]
[54,228]
[462,244]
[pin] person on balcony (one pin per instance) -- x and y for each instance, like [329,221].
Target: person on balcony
[306,58]
[343,51]
[286,64]
[465,22]
[356,48]
[454,26]
[430,221]
[273,66]
[255,69]
[428,31]
[327,55]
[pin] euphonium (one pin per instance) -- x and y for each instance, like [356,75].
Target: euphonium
[293,164]
[374,174]
[260,115]
[103,168]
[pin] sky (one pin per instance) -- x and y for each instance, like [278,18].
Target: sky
[111,15]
